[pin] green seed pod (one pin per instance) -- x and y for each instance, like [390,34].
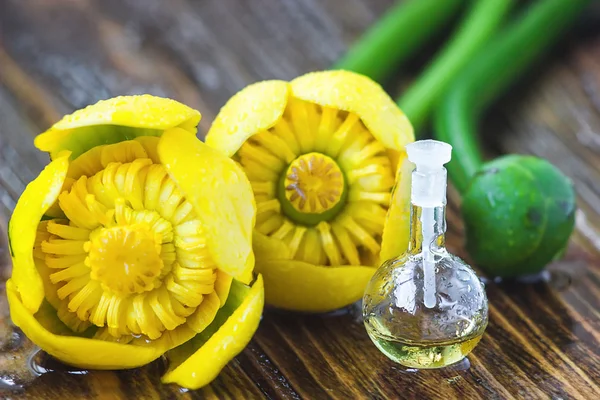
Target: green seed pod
[519,212]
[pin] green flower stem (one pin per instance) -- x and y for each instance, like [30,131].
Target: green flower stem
[490,73]
[481,22]
[399,33]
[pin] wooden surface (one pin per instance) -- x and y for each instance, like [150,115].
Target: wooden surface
[543,340]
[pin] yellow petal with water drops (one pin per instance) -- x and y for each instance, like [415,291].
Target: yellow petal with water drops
[114,120]
[358,94]
[51,335]
[300,286]
[197,362]
[397,221]
[221,195]
[37,198]
[253,109]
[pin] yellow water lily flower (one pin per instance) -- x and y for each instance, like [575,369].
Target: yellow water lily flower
[134,242]
[323,153]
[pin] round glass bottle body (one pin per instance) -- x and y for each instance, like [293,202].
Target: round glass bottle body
[394,310]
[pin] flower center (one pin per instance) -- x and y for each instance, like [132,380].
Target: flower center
[126,260]
[313,183]
[130,255]
[322,183]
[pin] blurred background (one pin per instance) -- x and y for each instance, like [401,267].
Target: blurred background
[60,55]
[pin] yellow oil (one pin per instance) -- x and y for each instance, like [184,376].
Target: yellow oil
[424,356]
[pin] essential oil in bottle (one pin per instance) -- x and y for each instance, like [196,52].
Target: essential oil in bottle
[423,355]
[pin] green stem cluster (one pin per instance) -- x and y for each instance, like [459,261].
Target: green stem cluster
[397,35]
[474,67]
[490,73]
[480,23]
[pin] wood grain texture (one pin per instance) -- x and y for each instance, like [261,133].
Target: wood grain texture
[543,340]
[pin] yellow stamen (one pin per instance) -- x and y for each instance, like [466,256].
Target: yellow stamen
[283,230]
[303,123]
[69,273]
[347,247]
[268,225]
[328,125]
[375,197]
[276,146]
[296,239]
[63,247]
[70,319]
[266,206]
[182,213]
[285,132]
[263,188]
[258,171]
[314,183]
[328,243]
[262,156]
[67,232]
[360,234]
[369,215]
[346,130]
[310,249]
[124,152]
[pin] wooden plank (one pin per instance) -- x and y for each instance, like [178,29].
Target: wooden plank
[543,339]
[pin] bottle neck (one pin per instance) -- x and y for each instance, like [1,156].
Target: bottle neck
[428,211]
[438,216]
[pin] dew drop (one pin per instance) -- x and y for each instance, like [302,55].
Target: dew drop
[462,365]
[464,276]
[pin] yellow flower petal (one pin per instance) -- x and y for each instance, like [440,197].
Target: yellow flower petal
[255,108]
[358,94]
[397,221]
[37,198]
[114,120]
[300,286]
[74,350]
[205,314]
[221,195]
[218,345]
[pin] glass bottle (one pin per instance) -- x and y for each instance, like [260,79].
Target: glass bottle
[426,308]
